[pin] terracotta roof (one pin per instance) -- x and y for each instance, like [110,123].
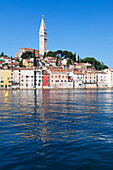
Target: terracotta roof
[28,68]
[77,72]
[29,49]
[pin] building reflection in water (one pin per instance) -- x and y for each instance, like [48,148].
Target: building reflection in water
[55,114]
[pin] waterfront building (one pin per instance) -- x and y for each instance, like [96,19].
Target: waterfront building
[102,79]
[70,82]
[27,78]
[109,77]
[43,38]
[78,79]
[15,78]
[45,80]
[37,78]
[90,79]
[58,78]
[5,79]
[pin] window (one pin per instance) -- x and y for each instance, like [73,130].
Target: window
[31,76]
[51,80]
[40,80]
[38,84]
[2,86]
[61,80]
[39,73]
[9,81]
[2,81]
[9,85]
[62,76]
[27,76]
[26,84]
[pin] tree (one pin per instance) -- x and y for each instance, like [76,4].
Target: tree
[58,52]
[57,62]
[69,62]
[27,55]
[78,59]
[51,54]
[98,65]
[5,64]
[104,67]
[35,63]
[2,54]
[74,57]
[44,55]
[21,63]
[65,52]
[17,60]
[94,63]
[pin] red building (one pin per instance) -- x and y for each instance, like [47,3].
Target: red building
[45,81]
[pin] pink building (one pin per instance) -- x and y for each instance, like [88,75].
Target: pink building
[59,78]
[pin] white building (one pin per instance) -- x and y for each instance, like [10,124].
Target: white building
[109,77]
[37,78]
[78,79]
[27,78]
[43,38]
[102,79]
[15,78]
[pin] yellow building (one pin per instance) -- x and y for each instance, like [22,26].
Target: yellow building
[28,63]
[5,79]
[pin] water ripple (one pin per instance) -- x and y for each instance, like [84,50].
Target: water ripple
[60,129]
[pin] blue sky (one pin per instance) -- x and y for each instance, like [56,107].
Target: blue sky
[81,26]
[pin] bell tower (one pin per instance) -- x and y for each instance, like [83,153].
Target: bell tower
[42,37]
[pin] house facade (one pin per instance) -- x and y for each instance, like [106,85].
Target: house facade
[5,79]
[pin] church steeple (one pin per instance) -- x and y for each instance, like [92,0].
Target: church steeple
[43,37]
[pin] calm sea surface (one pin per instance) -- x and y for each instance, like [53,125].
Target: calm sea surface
[56,129]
